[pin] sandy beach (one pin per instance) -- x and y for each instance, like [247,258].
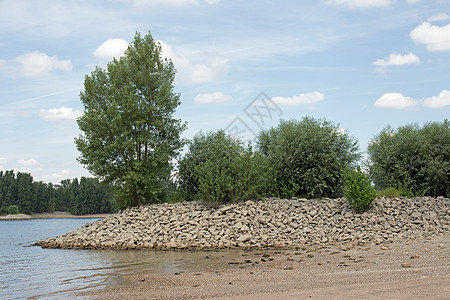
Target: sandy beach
[55,215]
[419,269]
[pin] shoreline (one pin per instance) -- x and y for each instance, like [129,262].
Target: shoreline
[55,215]
[419,269]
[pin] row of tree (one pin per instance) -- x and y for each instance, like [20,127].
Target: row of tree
[84,196]
[309,158]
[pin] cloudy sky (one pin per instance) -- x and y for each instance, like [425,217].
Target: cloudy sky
[363,64]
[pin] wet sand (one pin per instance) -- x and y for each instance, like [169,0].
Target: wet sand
[419,269]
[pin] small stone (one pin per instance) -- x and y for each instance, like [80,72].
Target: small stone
[416,215]
[406,265]
[244,238]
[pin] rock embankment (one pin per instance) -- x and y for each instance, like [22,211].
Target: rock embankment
[257,224]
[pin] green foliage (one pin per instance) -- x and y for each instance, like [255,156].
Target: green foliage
[218,169]
[358,189]
[129,135]
[308,157]
[389,192]
[13,210]
[413,159]
[289,190]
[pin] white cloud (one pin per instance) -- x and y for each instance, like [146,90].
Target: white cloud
[395,59]
[27,162]
[4,68]
[57,177]
[362,3]
[438,102]
[28,166]
[413,1]
[2,161]
[437,38]
[36,64]
[308,98]
[170,2]
[395,100]
[438,17]
[340,131]
[63,113]
[194,72]
[212,98]
[111,48]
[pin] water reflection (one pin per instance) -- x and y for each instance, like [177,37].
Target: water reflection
[107,268]
[35,273]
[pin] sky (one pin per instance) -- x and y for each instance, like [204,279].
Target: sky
[241,66]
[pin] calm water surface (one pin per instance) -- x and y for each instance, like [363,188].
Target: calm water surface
[36,273]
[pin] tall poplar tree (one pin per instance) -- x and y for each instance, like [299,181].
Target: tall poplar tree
[129,132]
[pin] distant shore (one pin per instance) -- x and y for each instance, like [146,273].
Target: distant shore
[53,215]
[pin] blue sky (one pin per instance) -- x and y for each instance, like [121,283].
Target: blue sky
[363,64]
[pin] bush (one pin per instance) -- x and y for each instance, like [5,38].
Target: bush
[415,160]
[388,193]
[308,157]
[358,189]
[4,210]
[218,169]
[13,210]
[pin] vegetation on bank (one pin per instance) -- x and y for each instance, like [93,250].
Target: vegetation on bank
[19,193]
[218,168]
[414,160]
[129,135]
[130,138]
[308,157]
[312,159]
[358,189]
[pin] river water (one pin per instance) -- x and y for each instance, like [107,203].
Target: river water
[36,273]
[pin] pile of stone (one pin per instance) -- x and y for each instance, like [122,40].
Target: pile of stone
[258,224]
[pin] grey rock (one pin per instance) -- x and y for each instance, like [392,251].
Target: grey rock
[244,238]
[269,222]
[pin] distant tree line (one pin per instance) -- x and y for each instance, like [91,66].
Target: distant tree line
[84,196]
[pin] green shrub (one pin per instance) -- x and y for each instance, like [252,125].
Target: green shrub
[415,160]
[358,189]
[218,169]
[4,210]
[13,210]
[388,193]
[308,157]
